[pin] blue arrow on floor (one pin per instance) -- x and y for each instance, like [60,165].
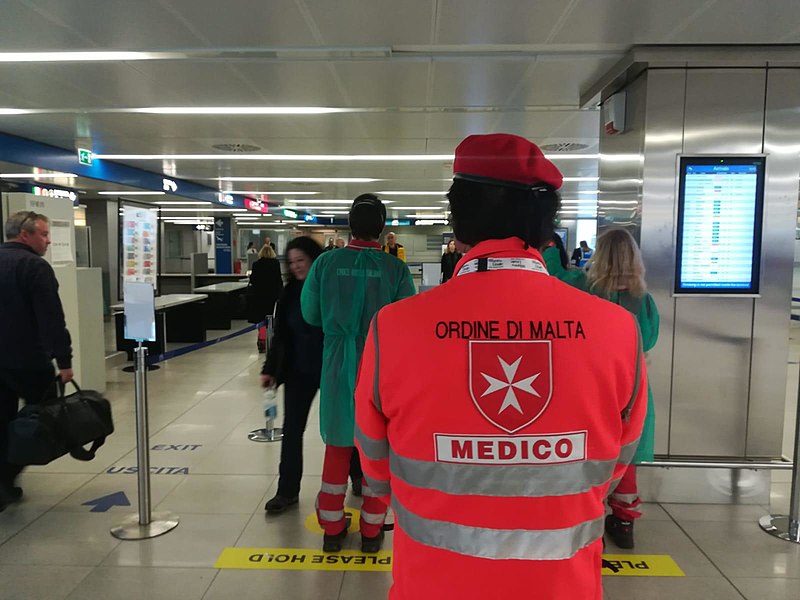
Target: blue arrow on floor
[103,503]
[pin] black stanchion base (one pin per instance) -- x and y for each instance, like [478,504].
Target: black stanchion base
[132,369]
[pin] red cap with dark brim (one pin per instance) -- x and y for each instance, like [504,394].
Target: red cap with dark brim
[506,160]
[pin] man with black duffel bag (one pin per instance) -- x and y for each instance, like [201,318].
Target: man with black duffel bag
[33,331]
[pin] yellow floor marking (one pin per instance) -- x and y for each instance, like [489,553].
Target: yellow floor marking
[299,559]
[640,565]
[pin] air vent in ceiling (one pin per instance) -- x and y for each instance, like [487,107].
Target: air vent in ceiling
[238,148]
[564,147]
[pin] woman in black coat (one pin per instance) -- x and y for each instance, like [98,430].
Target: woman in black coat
[450,260]
[294,359]
[267,285]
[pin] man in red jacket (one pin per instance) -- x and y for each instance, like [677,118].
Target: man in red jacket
[498,465]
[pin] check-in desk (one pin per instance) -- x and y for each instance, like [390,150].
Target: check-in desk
[179,318]
[225,303]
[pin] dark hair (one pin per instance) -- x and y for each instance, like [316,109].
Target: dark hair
[562,252]
[482,211]
[367,217]
[307,246]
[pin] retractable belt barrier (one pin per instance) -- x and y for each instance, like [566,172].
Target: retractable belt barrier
[186,349]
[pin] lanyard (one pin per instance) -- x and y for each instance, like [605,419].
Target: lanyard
[502,264]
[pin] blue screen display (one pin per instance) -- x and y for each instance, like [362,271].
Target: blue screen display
[719,225]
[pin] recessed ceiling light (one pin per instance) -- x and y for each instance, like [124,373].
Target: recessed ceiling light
[406,193]
[581,179]
[72,56]
[35,175]
[282,157]
[396,208]
[240,110]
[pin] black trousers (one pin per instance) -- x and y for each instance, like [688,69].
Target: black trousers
[31,386]
[299,392]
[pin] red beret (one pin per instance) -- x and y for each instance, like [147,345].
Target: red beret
[504,159]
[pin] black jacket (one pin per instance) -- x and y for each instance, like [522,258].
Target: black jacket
[296,347]
[266,286]
[33,331]
[449,262]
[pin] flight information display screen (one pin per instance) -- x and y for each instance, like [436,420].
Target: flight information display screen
[720,207]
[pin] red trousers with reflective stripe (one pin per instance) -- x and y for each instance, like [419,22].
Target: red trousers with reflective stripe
[624,500]
[330,501]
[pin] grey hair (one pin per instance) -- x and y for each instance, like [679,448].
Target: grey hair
[24,220]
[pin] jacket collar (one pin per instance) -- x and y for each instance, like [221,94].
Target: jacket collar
[512,247]
[20,246]
[363,245]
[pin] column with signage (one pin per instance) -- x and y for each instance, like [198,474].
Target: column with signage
[223,250]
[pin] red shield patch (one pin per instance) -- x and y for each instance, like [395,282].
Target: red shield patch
[511,382]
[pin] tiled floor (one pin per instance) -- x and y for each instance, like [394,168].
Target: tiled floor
[201,407]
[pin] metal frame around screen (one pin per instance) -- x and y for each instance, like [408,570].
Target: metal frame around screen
[715,159]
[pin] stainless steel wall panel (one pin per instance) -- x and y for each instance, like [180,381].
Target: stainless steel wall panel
[663,142]
[771,319]
[724,111]
[711,369]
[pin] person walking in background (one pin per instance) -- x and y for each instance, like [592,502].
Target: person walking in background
[330,246]
[581,254]
[340,243]
[33,331]
[267,284]
[393,248]
[342,292]
[251,248]
[616,273]
[294,359]
[449,260]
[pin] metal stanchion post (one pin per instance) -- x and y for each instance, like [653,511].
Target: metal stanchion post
[146,524]
[787,527]
[269,433]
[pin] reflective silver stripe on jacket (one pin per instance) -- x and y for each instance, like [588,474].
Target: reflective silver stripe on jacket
[376,388]
[372,449]
[335,489]
[532,481]
[628,451]
[377,487]
[332,516]
[498,544]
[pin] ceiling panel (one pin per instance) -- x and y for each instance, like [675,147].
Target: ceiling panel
[385,83]
[476,83]
[23,29]
[486,22]
[293,84]
[373,23]
[245,23]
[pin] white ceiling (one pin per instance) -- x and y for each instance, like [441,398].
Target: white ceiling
[439,70]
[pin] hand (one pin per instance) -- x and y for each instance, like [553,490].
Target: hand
[66,375]
[267,381]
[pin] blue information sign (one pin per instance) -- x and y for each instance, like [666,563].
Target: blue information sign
[223,251]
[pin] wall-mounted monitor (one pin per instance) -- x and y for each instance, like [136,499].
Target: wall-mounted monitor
[720,211]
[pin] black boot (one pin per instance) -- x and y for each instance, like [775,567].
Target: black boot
[620,532]
[358,487]
[372,545]
[279,504]
[333,543]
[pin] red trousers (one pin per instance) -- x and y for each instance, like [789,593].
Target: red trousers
[624,500]
[330,501]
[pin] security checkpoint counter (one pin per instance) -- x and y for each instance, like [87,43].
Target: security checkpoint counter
[225,303]
[179,318]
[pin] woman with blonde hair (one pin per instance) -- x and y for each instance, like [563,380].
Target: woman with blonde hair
[266,286]
[616,273]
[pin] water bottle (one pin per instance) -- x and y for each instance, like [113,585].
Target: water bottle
[270,403]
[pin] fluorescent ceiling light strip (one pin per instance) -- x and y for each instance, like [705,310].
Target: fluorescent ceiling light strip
[123,193]
[96,56]
[227,210]
[283,157]
[406,193]
[239,110]
[315,201]
[566,179]
[427,216]
[270,192]
[181,202]
[35,175]
[302,179]
[396,208]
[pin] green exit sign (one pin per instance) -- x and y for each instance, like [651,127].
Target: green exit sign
[85,157]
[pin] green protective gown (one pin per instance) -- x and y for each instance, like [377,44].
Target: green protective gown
[574,277]
[646,313]
[343,291]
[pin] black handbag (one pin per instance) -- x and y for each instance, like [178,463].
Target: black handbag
[46,431]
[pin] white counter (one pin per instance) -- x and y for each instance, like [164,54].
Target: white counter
[168,301]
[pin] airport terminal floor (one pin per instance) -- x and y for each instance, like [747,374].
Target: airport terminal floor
[55,543]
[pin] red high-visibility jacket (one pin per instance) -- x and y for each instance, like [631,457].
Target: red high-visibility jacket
[494,412]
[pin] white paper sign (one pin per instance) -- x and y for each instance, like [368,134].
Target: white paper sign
[140,311]
[61,242]
[139,244]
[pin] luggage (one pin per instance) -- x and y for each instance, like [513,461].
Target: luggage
[44,432]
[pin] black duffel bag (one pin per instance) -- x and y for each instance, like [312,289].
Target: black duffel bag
[46,431]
